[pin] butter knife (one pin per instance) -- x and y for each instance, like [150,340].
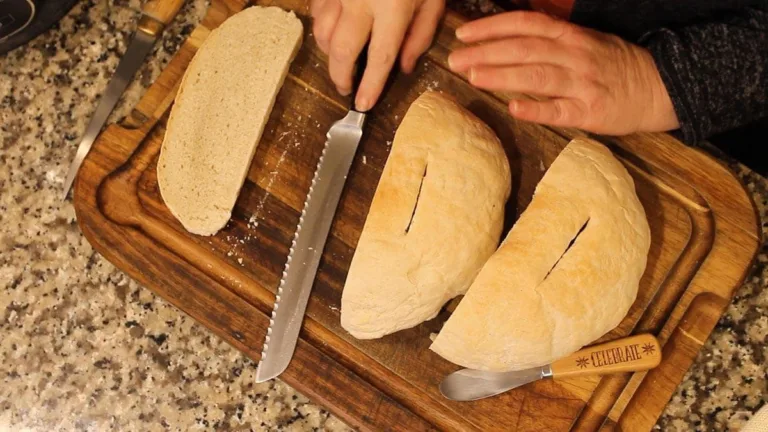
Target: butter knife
[308,243]
[156,14]
[632,354]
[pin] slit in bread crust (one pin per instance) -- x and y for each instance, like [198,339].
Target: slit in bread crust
[567,248]
[418,195]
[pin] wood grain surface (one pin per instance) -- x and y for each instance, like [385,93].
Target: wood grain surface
[703,226]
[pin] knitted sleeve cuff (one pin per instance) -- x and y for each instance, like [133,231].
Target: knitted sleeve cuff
[678,78]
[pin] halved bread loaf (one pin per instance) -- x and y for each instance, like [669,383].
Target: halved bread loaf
[222,106]
[566,274]
[436,217]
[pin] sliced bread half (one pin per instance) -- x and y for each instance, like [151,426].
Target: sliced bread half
[566,274]
[436,217]
[223,104]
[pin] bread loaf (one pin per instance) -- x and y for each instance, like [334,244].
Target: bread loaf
[539,297]
[436,217]
[223,104]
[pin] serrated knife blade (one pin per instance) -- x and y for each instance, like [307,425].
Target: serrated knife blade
[308,244]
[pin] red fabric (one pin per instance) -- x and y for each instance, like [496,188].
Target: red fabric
[559,8]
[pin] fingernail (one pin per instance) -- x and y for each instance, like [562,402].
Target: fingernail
[514,106]
[461,33]
[472,75]
[452,61]
[343,92]
[363,104]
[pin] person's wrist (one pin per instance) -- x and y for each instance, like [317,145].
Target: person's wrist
[658,113]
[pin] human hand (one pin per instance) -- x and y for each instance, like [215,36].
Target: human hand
[342,28]
[591,80]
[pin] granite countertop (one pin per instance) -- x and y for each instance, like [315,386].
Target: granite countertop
[83,347]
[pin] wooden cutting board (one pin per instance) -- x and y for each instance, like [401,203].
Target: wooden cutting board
[703,224]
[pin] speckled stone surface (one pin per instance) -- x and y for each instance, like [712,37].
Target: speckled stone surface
[728,383]
[82,347]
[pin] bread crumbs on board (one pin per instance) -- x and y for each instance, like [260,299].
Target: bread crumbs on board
[252,222]
[235,242]
[433,85]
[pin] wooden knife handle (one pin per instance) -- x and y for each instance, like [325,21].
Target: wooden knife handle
[632,354]
[162,10]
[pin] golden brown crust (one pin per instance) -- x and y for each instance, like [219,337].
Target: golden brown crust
[408,263]
[534,302]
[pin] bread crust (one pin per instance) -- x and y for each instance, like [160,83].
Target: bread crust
[435,218]
[537,299]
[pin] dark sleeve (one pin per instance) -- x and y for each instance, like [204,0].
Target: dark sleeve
[716,74]
[716,71]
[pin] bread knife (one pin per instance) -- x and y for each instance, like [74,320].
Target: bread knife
[309,240]
[632,354]
[155,15]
